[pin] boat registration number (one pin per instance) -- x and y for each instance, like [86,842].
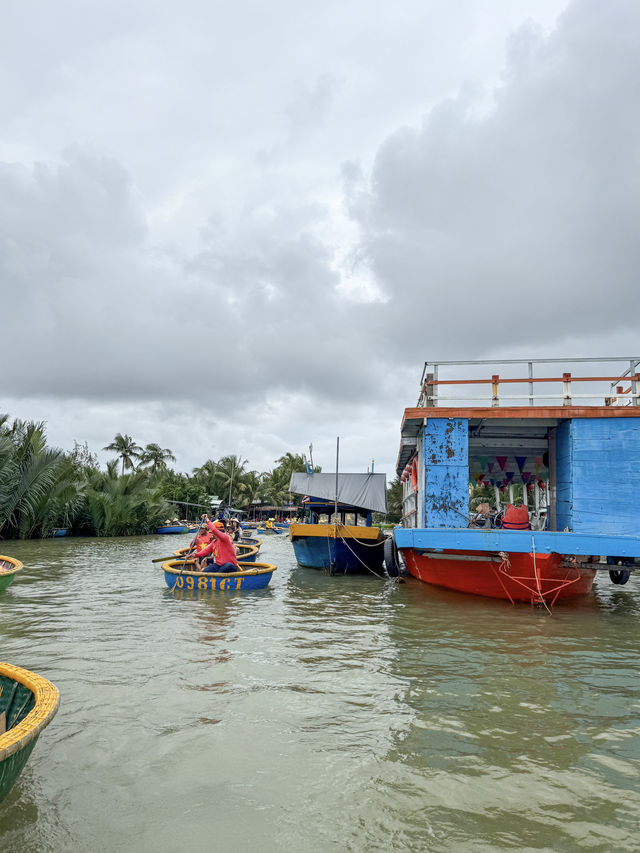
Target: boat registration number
[189,582]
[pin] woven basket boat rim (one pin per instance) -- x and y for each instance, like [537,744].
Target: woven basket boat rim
[47,699]
[17,565]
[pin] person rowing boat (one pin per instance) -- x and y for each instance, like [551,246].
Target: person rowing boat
[221,548]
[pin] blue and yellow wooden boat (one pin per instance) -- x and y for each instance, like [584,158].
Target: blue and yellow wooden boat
[28,703]
[337,543]
[338,548]
[252,576]
[9,568]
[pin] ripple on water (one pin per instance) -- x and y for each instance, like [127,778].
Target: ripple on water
[318,714]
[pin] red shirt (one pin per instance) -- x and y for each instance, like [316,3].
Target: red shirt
[203,538]
[226,553]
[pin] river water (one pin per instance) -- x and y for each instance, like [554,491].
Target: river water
[320,714]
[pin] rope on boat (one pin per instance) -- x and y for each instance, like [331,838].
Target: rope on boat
[377,544]
[535,572]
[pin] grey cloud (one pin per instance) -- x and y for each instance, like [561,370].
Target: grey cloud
[184,273]
[492,228]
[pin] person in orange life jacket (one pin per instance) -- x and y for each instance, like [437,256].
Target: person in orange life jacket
[225,559]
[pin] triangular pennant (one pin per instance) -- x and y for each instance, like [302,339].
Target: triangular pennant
[526,476]
[489,467]
[509,475]
[502,461]
[520,462]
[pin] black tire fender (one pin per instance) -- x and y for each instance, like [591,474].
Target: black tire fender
[619,576]
[391,561]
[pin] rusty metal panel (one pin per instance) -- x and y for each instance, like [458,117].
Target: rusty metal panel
[446,472]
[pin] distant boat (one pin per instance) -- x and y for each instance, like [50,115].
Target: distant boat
[59,531]
[255,576]
[334,545]
[9,568]
[173,528]
[28,703]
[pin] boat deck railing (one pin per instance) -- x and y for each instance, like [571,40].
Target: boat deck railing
[548,381]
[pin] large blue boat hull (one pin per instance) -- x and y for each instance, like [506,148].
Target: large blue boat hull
[333,555]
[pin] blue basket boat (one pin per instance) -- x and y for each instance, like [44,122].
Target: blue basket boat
[253,576]
[173,528]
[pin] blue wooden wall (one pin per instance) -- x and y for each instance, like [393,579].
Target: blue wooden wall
[598,475]
[446,468]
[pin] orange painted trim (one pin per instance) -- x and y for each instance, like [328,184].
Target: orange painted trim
[568,377]
[525,412]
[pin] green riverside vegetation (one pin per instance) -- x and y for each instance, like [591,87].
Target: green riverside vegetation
[42,488]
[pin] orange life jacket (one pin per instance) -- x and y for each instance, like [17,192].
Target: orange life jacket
[516,518]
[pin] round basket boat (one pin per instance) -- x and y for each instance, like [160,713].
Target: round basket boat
[251,540]
[28,703]
[251,576]
[9,568]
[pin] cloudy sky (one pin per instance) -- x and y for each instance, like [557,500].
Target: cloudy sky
[243,227]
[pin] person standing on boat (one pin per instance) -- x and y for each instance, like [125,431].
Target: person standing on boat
[225,559]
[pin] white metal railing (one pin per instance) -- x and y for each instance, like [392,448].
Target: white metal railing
[623,388]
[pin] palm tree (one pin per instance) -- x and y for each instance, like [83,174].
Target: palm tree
[291,463]
[231,469]
[251,483]
[125,505]
[126,449]
[208,477]
[28,470]
[157,457]
[276,486]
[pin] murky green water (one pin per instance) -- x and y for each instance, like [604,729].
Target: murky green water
[320,714]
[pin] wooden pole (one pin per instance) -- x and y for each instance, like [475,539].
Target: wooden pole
[337,462]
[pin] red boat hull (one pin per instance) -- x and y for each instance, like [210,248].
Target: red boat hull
[530,578]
